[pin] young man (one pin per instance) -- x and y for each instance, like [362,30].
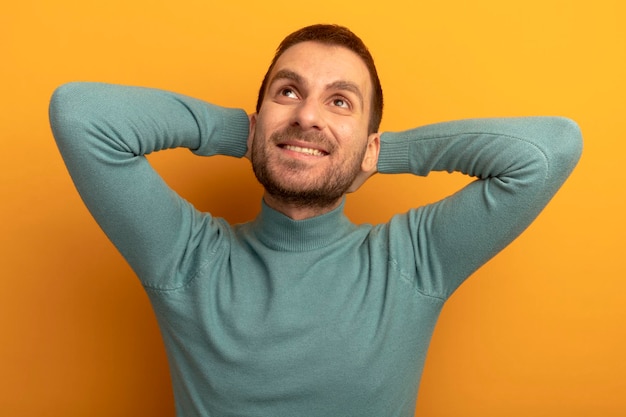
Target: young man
[300,312]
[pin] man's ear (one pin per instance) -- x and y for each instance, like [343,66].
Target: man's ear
[252,129]
[369,165]
[370,159]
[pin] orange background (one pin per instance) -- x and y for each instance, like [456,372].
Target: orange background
[538,331]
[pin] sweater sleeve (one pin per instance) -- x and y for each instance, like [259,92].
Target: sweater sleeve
[104,131]
[519,164]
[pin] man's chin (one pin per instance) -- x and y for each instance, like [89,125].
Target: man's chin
[302,188]
[296,196]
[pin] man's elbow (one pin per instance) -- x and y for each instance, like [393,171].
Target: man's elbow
[567,145]
[69,109]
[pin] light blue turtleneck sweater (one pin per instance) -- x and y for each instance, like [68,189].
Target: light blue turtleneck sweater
[320,317]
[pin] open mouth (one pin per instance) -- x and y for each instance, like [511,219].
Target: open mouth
[303,150]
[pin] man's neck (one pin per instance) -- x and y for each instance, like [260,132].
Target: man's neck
[296,211]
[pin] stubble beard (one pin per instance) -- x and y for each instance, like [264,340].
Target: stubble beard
[320,192]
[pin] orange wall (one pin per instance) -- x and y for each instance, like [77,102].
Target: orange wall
[539,331]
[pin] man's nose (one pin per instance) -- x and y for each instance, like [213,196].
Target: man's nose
[310,115]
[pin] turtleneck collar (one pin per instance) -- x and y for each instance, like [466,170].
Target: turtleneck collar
[279,232]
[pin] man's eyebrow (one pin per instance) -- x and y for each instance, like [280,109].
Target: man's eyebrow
[285,74]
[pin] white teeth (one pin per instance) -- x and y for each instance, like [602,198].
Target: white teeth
[307,151]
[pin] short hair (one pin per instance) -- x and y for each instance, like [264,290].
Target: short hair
[334,35]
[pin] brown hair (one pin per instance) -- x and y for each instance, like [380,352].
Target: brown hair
[337,36]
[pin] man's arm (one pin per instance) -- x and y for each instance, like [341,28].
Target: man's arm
[103,132]
[519,163]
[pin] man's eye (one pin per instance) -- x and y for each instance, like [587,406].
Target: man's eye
[340,102]
[288,92]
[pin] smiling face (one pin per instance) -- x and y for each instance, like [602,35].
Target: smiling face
[310,138]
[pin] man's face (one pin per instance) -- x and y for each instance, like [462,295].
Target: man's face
[310,138]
